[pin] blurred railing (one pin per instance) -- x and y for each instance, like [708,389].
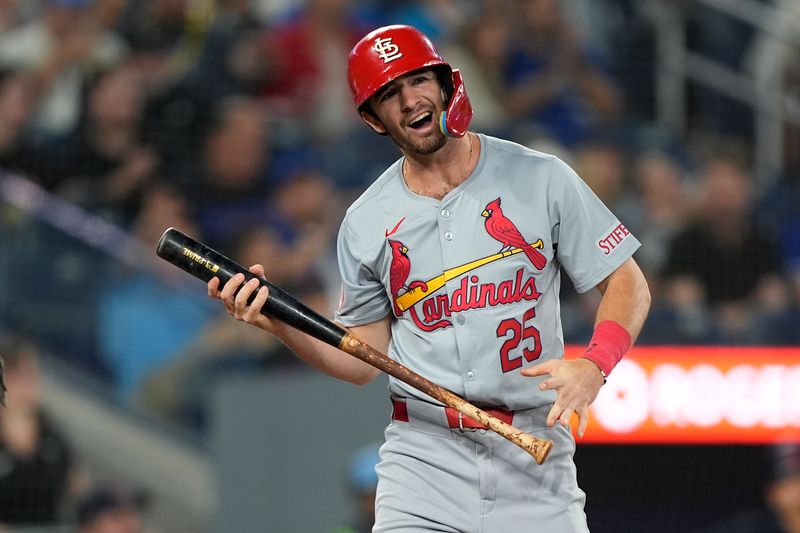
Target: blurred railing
[757,82]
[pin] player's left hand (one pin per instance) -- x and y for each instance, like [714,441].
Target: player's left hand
[576,382]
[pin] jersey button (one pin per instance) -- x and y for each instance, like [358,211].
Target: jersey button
[445,213]
[460,319]
[448,235]
[471,375]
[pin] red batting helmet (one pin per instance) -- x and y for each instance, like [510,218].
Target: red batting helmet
[393,51]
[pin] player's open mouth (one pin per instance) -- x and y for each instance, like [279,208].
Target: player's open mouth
[422,121]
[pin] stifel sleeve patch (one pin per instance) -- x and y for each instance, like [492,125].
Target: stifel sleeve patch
[612,238]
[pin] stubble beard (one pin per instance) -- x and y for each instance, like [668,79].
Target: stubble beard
[425,146]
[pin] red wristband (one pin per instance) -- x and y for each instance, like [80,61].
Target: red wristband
[609,344]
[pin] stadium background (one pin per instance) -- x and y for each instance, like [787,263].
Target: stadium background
[231,119]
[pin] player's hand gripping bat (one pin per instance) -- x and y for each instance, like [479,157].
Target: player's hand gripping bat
[204,263]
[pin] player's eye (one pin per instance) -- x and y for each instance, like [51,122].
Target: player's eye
[388,93]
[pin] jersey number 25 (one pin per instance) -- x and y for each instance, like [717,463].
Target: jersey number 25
[519,332]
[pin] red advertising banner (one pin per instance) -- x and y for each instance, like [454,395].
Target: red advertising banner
[697,394]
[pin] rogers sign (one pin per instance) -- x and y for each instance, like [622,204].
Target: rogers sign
[698,395]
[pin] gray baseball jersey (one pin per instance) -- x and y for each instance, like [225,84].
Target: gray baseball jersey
[473,280]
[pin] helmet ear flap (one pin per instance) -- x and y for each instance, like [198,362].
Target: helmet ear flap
[454,122]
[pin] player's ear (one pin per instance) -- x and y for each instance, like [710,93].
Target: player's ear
[373,121]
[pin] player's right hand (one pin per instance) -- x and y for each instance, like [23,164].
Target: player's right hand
[236,302]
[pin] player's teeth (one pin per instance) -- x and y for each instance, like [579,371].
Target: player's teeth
[420,118]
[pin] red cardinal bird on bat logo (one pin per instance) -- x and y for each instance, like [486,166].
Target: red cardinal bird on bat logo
[503,230]
[398,272]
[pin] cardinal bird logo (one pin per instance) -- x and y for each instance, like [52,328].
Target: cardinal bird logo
[398,272]
[504,231]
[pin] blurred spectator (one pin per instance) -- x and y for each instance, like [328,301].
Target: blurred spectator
[154,31]
[680,315]
[65,45]
[259,243]
[480,52]
[305,211]
[146,317]
[660,209]
[603,165]
[310,86]
[723,252]
[362,482]
[553,82]
[777,313]
[105,165]
[354,159]
[109,509]
[233,60]
[153,25]
[230,186]
[38,473]
[16,108]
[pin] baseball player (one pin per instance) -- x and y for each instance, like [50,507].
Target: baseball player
[451,260]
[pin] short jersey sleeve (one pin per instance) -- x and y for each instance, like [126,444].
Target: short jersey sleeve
[591,242]
[363,298]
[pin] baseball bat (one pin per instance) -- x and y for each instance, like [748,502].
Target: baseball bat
[204,263]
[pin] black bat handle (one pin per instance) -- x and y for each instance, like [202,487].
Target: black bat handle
[204,263]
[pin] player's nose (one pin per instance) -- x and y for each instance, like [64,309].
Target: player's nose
[409,98]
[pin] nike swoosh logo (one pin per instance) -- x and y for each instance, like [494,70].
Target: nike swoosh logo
[394,229]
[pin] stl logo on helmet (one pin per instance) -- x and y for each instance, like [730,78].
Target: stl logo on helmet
[386,49]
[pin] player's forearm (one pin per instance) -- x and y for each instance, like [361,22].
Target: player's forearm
[325,357]
[626,298]
[620,316]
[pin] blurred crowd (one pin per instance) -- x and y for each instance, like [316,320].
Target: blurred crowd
[232,120]
[43,483]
